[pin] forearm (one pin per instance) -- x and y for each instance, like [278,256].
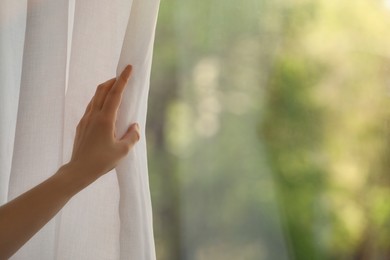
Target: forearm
[96,151]
[22,217]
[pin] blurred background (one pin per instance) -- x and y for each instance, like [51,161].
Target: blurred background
[268,130]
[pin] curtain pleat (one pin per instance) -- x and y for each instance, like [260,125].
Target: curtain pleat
[134,188]
[12,32]
[38,138]
[97,38]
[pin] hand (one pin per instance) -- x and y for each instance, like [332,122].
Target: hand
[96,149]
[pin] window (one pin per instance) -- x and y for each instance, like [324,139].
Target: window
[268,129]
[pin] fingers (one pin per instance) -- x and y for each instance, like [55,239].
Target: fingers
[130,138]
[114,96]
[101,93]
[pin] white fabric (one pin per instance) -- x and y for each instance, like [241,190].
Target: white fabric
[53,55]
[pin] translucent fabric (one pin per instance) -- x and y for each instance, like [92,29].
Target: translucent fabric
[53,55]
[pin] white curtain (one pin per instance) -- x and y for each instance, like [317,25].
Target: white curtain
[53,54]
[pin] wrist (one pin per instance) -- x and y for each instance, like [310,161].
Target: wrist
[74,178]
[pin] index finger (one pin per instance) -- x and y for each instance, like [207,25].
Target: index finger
[114,97]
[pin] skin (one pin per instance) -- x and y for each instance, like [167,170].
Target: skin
[96,151]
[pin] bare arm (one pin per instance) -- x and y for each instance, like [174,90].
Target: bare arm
[95,152]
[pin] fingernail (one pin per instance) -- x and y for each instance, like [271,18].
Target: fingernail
[136,126]
[127,71]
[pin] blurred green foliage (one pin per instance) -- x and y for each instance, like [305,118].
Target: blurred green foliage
[268,129]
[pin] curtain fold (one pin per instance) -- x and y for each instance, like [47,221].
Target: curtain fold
[137,50]
[12,27]
[69,47]
[39,128]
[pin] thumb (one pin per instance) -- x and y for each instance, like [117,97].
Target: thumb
[131,137]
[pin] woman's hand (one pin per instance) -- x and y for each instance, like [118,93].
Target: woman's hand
[96,149]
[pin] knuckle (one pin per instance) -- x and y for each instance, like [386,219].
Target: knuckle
[124,149]
[100,87]
[103,119]
[115,91]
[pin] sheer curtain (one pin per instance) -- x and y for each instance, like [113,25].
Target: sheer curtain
[53,55]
